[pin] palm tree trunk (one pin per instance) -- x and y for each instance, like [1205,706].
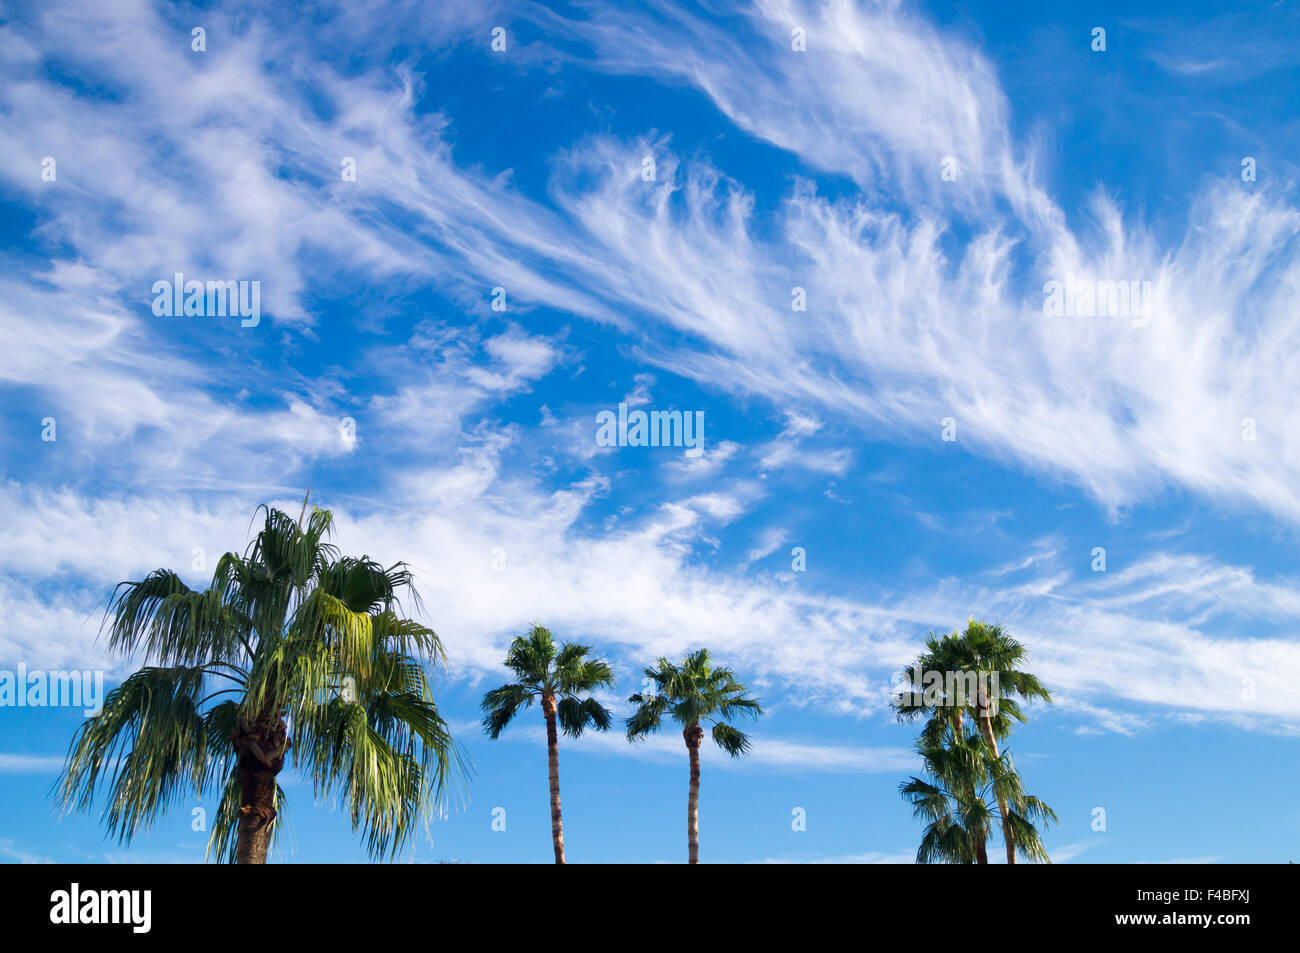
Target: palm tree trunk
[261,749]
[256,816]
[693,735]
[553,763]
[986,727]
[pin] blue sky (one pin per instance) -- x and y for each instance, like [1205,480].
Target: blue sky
[1167,438]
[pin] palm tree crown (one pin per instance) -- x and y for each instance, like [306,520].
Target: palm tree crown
[543,670]
[980,648]
[693,693]
[289,637]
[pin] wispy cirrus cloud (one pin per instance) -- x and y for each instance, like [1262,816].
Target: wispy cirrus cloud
[639,590]
[910,320]
[11,763]
[16,853]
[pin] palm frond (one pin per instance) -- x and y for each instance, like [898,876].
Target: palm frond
[149,744]
[730,739]
[575,714]
[501,705]
[647,717]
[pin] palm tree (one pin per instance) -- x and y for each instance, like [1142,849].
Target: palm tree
[296,638]
[982,650]
[963,772]
[696,692]
[558,679]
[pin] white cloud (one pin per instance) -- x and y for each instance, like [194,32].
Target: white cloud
[20,855]
[904,326]
[29,763]
[769,541]
[639,592]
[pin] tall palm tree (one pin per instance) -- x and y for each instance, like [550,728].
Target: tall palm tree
[289,637]
[980,649]
[558,679]
[690,694]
